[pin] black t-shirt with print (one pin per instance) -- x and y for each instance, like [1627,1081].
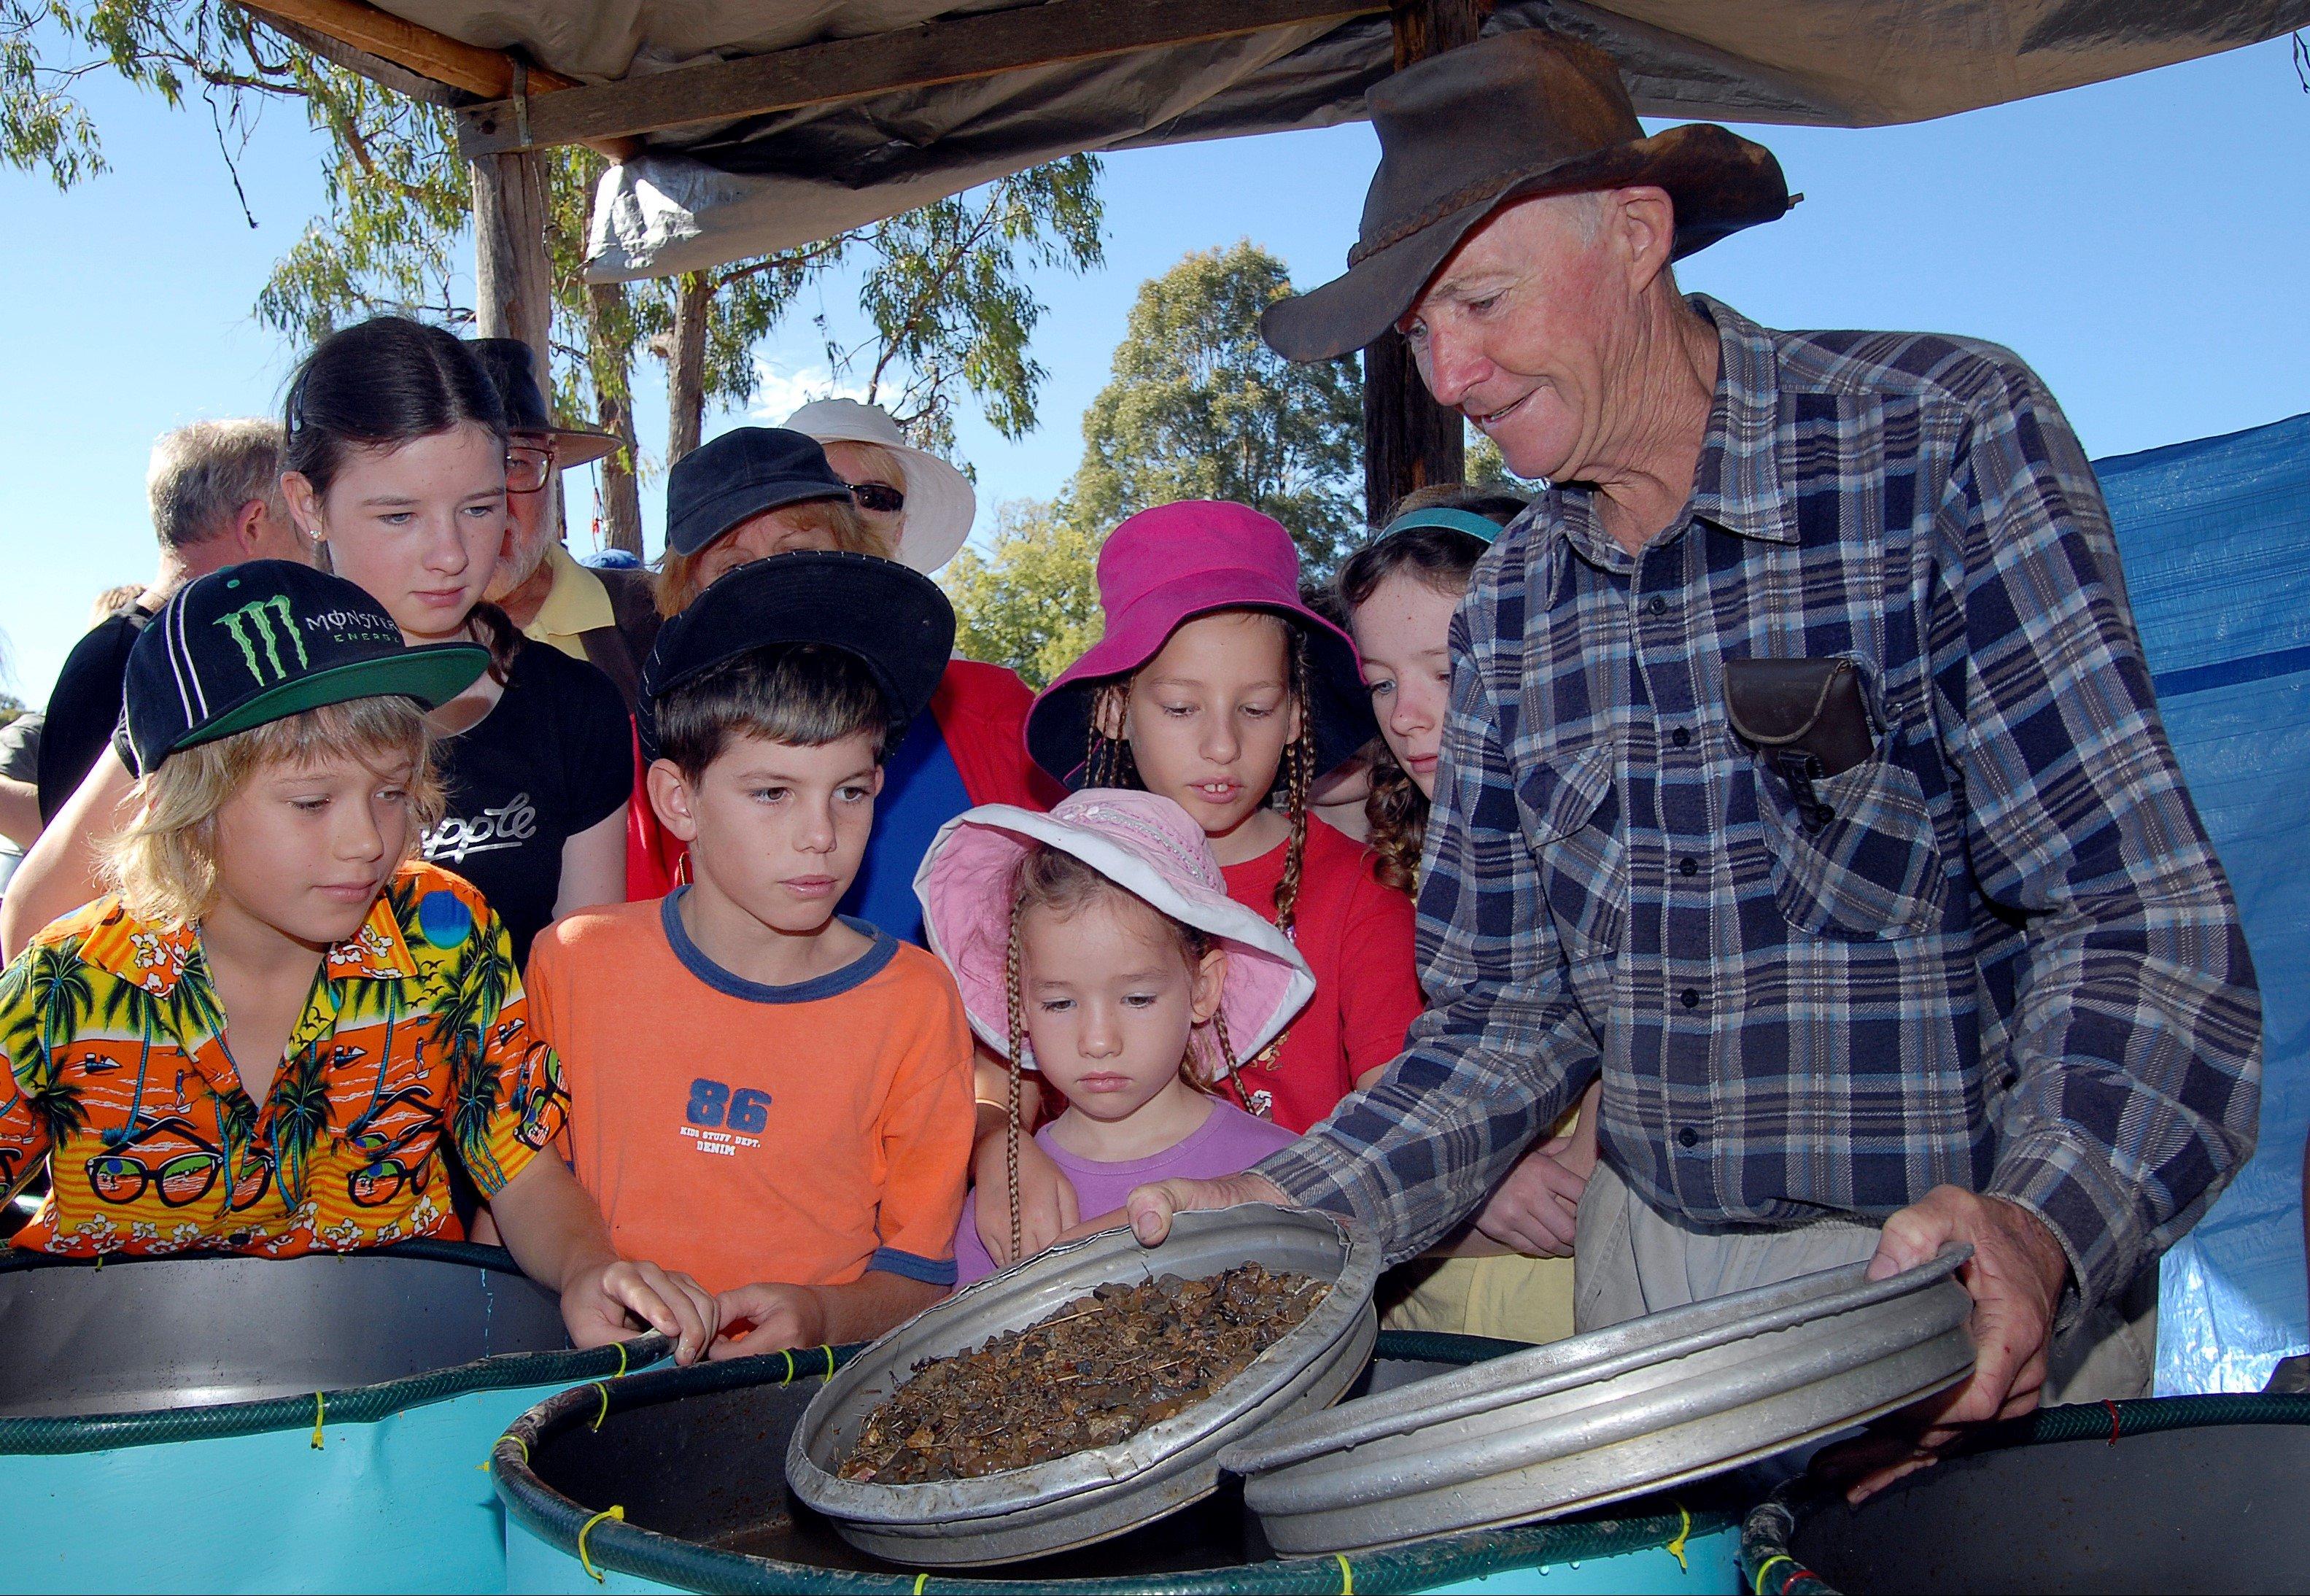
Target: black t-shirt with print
[553,758]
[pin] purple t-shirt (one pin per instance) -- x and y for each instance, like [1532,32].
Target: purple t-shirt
[1228,1142]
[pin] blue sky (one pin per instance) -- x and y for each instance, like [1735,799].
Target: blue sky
[2140,242]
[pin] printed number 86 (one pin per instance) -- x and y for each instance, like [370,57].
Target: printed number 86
[710,1100]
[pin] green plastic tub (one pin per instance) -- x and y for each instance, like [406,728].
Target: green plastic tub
[673,1481]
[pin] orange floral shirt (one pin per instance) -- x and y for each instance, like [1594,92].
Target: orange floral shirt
[414,1042]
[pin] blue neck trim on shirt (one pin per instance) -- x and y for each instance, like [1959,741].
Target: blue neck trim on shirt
[857,972]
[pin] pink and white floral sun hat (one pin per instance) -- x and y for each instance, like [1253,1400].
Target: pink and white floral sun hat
[1144,843]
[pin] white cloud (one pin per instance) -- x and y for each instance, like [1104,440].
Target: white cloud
[779,392]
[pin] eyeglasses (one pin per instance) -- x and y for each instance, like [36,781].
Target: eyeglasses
[527,465]
[881,497]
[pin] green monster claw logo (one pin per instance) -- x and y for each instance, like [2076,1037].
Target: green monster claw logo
[258,617]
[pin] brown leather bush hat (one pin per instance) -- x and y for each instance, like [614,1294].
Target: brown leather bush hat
[1506,118]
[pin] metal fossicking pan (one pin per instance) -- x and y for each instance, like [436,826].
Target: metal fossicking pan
[143,1334]
[1092,1495]
[1611,1414]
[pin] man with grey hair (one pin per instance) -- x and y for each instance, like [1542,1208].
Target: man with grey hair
[215,492]
[1802,780]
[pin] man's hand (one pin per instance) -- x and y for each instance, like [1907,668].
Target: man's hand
[783,1316]
[2016,1275]
[612,1301]
[1151,1209]
[1536,1209]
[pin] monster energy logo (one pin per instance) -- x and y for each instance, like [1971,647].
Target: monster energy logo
[258,618]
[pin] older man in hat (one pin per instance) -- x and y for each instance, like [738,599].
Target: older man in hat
[1802,778]
[606,617]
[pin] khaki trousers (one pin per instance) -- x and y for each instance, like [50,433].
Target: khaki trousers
[1631,1260]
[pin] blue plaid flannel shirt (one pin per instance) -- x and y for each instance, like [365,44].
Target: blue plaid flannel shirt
[2000,955]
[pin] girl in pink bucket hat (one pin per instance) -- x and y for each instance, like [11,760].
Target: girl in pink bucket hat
[1097,945]
[1217,686]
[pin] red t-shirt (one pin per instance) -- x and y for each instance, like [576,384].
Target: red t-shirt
[1347,922]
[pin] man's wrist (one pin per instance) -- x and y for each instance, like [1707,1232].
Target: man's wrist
[2037,1240]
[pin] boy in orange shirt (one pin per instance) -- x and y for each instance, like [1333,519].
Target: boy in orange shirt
[777,1097]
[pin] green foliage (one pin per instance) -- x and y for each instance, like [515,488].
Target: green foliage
[945,286]
[1486,469]
[42,127]
[1032,602]
[1199,407]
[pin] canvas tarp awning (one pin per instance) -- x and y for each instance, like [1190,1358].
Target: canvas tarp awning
[703,196]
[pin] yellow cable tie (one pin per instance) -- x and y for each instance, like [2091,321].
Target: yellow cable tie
[586,1529]
[320,1411]
[921,1580]
[1675,1548]
[790,1368]
[622,1362]
[822,1347]
[604,1413]
[1765,1567]
[1347,1577]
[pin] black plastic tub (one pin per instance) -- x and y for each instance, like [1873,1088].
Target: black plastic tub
[2176,1495]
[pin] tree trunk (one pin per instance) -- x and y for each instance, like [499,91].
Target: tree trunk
[611,356]
[685,367]
[1411,441]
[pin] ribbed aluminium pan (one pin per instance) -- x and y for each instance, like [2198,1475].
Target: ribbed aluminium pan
[1104,1491]
[1611,1414]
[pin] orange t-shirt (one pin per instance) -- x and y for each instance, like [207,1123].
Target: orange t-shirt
[799,1135]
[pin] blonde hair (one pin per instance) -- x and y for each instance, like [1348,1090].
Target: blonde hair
[163,863]
[677,582]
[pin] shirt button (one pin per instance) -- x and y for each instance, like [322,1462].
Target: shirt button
[1687,1137]
[1680,737]
[1689,998]
[1656,605]
[1688,867]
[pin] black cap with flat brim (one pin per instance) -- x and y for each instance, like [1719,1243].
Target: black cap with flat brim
[260,642]
[1510,117]
[894,618]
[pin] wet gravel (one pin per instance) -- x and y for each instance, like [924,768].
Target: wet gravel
[1100,1370]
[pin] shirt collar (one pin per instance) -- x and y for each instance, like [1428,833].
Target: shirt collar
[577,602]
[1737,485]
[156,958]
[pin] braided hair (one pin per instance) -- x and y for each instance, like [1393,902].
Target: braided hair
[1107,762]
[1050,879]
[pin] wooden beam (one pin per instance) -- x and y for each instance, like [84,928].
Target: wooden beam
[1410,440]
[487,73]
[984,45]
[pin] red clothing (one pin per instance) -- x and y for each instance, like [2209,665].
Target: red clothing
[1356,934]
[981,711]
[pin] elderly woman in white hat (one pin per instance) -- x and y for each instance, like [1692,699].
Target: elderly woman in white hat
[921,506]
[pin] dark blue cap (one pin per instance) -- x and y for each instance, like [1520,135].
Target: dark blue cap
[739,475]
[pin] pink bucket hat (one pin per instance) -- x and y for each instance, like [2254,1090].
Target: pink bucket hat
[1143,843]
[1168,564]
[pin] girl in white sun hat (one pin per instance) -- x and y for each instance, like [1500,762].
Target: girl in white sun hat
[921,506]
[1097,946]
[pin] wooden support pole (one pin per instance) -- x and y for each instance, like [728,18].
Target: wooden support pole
[1410,440]
[513,290]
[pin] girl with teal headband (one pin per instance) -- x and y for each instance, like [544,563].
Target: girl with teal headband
[1510,1274]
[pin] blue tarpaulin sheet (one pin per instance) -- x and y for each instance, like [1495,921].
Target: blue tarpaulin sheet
[2215,537]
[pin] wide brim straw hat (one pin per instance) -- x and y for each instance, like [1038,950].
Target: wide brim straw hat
[1165,567]
[941,502]
[1510,117]
[1144,843]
